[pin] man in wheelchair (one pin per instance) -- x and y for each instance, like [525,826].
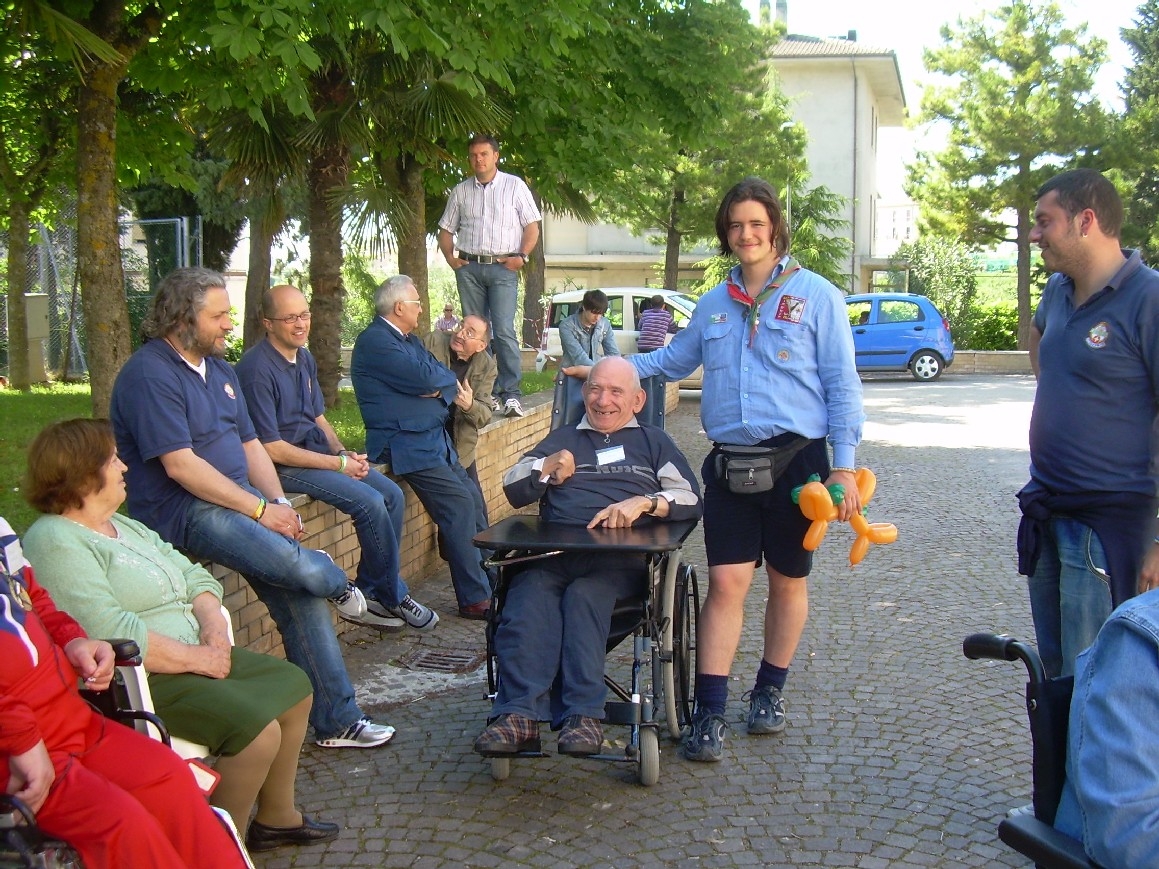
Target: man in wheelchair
[610,471]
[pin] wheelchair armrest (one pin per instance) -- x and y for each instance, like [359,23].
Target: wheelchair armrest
[127,652]
[1043,844]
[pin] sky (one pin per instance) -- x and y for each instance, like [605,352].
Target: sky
[909,26]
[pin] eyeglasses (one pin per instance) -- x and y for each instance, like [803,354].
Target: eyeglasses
[291,319]
[411,301]
[468,333]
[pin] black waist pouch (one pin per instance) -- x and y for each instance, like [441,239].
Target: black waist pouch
[753,470]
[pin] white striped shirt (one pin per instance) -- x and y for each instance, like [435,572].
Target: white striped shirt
[489,218]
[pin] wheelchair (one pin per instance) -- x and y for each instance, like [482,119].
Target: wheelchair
[661,621]
[1048,708]
[127,700]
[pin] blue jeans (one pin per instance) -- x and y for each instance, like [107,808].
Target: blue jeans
[491,292]
[377,507]
[1070,595]
[456,506]
[293,583]
[555,621]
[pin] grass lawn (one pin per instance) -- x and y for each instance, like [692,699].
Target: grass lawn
[26,413]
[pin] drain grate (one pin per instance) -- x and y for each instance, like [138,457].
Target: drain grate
[442,660]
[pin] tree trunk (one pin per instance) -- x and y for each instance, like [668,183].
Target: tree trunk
[325,177]
[412,239]
[673,237]
[534,288]
[257,277]
[19,376]
[1022,241]
[102,279]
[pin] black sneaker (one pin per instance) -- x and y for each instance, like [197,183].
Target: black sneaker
[766,710]
[705,738]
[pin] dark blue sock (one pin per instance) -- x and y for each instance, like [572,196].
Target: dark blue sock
[770,675]
[711,693]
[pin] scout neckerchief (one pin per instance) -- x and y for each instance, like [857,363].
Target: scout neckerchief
[739,293]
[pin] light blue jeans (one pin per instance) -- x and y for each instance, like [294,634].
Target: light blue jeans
[1070,594]
[377,506]
[491,292]
[294,583]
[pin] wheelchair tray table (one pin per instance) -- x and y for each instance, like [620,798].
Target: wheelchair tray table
[532,534]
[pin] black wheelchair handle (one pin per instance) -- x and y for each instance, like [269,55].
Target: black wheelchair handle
[987,645]
[1001,647]
[126,651]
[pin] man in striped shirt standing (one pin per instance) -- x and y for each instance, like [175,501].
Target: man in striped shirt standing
[486,234]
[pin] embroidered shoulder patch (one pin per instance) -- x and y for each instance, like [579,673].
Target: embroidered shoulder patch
[790,309]
[722,317]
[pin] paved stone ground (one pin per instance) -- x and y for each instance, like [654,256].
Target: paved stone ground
[899,751]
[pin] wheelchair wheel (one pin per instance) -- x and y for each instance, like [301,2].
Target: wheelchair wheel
[500,768]
[649,756]
[664,651]
[686,608]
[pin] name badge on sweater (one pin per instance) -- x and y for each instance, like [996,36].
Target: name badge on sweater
[610,455]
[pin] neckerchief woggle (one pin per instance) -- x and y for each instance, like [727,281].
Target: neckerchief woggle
[735,291]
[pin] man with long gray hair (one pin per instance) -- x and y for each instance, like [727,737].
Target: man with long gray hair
[201,479]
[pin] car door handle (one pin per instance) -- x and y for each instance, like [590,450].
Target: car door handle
[859,331]
[919,328]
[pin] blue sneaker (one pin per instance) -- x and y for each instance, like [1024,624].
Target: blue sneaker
[705,738]
[766,710]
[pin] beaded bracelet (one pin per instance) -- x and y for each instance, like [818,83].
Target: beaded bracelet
[846,470]
[261,510]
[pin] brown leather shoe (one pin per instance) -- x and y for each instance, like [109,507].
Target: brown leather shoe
[508,734]
[581,736]
[476,611]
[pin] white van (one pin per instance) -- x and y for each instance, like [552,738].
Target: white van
[624,306]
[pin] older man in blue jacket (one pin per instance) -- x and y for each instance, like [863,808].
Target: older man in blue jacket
[405,396]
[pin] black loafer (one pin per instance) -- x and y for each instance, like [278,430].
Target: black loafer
[309,832]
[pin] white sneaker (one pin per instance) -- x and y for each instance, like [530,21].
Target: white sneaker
[351,604]
[419,617]
[513,408]
[376,616]
[495,405]
[363,733]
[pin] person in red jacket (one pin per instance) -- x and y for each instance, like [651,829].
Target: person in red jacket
[117,796]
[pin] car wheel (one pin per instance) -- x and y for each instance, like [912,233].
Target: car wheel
[926,365]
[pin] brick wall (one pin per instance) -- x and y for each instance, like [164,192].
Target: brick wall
[991,362]
[500,445]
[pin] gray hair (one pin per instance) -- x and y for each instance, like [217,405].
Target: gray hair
[390,293]
[179,298]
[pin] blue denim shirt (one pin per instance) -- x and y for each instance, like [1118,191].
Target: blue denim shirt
[583,347]
[799,374]
[1111,797]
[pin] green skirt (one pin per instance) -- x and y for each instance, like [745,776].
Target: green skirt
[228,714]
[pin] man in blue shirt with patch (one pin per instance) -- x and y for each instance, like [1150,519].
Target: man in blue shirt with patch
[280,380]
[1088,523]
[199,477]
[779,380]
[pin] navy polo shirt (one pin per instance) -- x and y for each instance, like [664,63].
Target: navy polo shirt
[283,397]
[1098,386]
[160,405]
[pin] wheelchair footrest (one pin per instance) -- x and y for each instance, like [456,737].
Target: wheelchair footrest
[618,712]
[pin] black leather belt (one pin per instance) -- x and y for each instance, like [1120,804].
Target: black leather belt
[483,258]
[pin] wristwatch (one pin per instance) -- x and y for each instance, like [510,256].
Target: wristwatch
[653,503]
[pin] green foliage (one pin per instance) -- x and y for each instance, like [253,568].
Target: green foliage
[988,327]
[943,271]
[24,415]
[1018,109]
[1137,145]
